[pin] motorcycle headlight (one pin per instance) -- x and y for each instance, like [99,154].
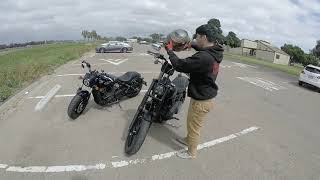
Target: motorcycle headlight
[89,80]
[86,82]
[159,90]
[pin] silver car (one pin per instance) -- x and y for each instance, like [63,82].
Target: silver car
[114,47]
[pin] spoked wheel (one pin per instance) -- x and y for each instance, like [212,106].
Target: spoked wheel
[137,134]
[76,106]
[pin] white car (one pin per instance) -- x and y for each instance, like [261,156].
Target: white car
[156,46]
[143,42]
[310,75]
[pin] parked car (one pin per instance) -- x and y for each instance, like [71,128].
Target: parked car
[143,42]
[114,47]
[156,46]
[310,75]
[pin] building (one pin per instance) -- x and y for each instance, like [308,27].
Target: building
[262,50]
[132,40]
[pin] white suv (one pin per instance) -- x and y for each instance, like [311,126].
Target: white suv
[311,76]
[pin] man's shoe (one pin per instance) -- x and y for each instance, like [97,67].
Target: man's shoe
[182,141]
[185,155]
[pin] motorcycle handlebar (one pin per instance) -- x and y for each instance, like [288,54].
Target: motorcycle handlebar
[86,64]
[157,55]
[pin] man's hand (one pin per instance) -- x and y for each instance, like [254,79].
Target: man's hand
[169,45]
[187,46]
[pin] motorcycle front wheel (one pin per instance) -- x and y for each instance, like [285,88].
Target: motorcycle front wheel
[76,106]
[137,134]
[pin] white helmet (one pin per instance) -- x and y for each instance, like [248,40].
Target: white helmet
[179,38]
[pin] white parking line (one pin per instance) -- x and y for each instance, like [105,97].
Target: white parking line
[3,166]
[265,84]
[243,65]
[41,104]
[118,62]
[98,64]
[122,163]
[63,75]
[67,95]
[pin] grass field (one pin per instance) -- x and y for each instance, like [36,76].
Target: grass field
[18,68]
[293,70]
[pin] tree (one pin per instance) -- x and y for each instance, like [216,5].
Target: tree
[149,40]
[139,39]
[94,35]
[156,37]
[87,34]
[232,40]
[120,38]
[296,53]
[316,49]
[83,35]
[311,59]
[216,27]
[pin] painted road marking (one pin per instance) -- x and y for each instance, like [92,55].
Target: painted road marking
[42,103]
[98,64]
[122,163]
[63,75]
[235,64]
[265,84]
[144,54]
[67,95]
[243,65]
[3,166]
[225,66]
[117,61]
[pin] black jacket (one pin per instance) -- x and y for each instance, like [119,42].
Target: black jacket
[203,68]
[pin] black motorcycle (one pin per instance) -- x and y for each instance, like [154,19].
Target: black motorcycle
[162,101]
[106,89]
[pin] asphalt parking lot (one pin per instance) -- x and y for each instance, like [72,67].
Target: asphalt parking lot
[263,126]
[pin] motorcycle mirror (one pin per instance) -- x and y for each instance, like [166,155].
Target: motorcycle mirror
[82,65]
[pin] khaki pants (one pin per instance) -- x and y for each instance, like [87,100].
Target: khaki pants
[196,113]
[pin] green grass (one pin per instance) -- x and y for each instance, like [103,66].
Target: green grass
[293,70]
[21,67]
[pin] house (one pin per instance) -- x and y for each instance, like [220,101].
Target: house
[262,50]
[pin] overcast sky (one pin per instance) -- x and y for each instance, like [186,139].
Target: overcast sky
[285,21]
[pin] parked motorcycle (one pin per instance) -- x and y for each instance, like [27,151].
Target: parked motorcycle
[162,101]
[106,89]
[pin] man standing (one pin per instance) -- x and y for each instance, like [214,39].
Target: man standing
[203,68]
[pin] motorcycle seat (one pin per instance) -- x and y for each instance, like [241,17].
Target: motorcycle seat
[128,76]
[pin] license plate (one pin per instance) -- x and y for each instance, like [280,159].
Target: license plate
[310,77]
